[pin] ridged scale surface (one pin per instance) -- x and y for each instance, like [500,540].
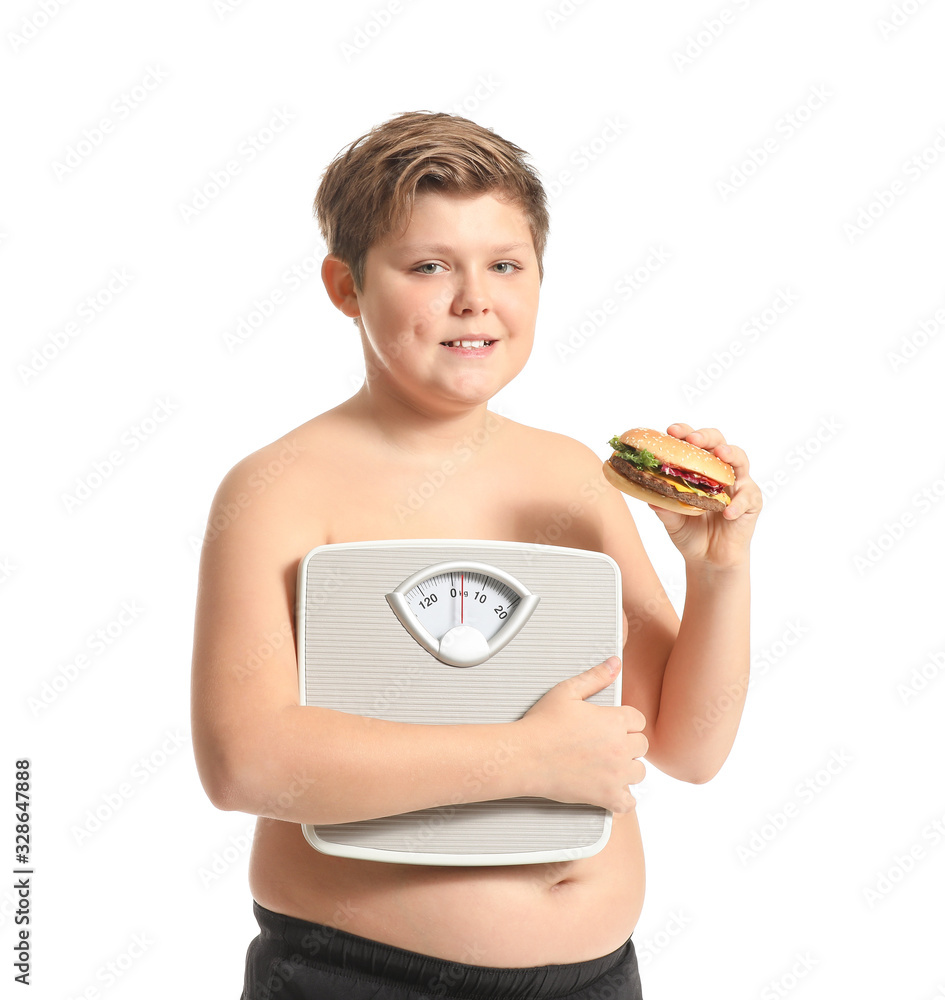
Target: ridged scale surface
[359,658]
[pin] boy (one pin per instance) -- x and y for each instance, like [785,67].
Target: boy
[436,228]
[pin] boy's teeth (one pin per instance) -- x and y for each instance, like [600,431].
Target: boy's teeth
[466,343]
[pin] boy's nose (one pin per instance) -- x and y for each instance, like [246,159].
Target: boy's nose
[470,296]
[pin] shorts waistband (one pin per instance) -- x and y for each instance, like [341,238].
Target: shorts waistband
[321,945]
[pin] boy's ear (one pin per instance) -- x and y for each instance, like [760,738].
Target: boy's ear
[339,283]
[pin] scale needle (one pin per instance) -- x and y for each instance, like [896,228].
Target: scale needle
[462,577]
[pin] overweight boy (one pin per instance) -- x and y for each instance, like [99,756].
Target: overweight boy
[435,228]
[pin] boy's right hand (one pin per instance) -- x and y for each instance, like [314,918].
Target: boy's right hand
[584,752]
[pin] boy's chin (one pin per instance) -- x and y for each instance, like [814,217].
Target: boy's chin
[470,392]
[470,398]
[445,390]
[484,383]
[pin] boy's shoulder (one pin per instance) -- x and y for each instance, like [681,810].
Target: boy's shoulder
[554,451]
[283,468]
[542,437]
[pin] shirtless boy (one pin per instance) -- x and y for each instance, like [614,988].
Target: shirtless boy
[436,229]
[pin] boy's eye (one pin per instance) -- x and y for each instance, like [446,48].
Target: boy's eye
[503,267]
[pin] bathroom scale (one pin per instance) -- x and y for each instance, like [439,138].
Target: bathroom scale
[449,631]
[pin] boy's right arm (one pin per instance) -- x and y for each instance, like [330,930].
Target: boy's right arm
[259,751]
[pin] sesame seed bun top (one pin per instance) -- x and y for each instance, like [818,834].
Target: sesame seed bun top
[673,451]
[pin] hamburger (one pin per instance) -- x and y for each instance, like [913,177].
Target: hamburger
[667,472]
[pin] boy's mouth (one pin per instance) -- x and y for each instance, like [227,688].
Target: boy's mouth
[467,344]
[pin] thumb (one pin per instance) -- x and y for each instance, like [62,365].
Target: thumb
[672,520]
[591,681]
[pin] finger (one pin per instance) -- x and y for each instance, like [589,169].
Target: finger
[636,773]
[634,722]
[708,438]
[591,681]
[672,520]
[746,495]
[747,499]
[679,430]
[626,804]
[735,457]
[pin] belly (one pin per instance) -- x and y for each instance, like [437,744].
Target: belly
[503,915]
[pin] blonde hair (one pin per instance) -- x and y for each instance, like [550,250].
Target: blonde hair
[367,192]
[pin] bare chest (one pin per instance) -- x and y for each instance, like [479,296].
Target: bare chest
[373,497]
[448,500]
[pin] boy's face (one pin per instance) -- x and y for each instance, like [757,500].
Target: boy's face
[464,269]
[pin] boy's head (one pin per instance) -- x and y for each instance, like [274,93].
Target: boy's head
[368,190]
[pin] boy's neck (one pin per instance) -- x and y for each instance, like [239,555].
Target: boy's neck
[420,432]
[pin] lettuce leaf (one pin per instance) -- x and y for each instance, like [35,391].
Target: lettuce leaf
[641,458]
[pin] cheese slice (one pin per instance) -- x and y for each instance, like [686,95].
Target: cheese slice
[686,488]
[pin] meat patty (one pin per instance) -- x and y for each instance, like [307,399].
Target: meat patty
[658,484]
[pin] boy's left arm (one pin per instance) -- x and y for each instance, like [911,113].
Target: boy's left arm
[691,686]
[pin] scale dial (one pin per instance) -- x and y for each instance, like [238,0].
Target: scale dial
[462,612]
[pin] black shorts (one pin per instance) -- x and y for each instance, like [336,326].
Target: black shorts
[293,959]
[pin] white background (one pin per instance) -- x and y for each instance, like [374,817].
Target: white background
[781,876]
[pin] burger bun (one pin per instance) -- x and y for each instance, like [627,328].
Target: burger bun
[681,453]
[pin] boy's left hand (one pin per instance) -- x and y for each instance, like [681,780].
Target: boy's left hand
[719,539]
